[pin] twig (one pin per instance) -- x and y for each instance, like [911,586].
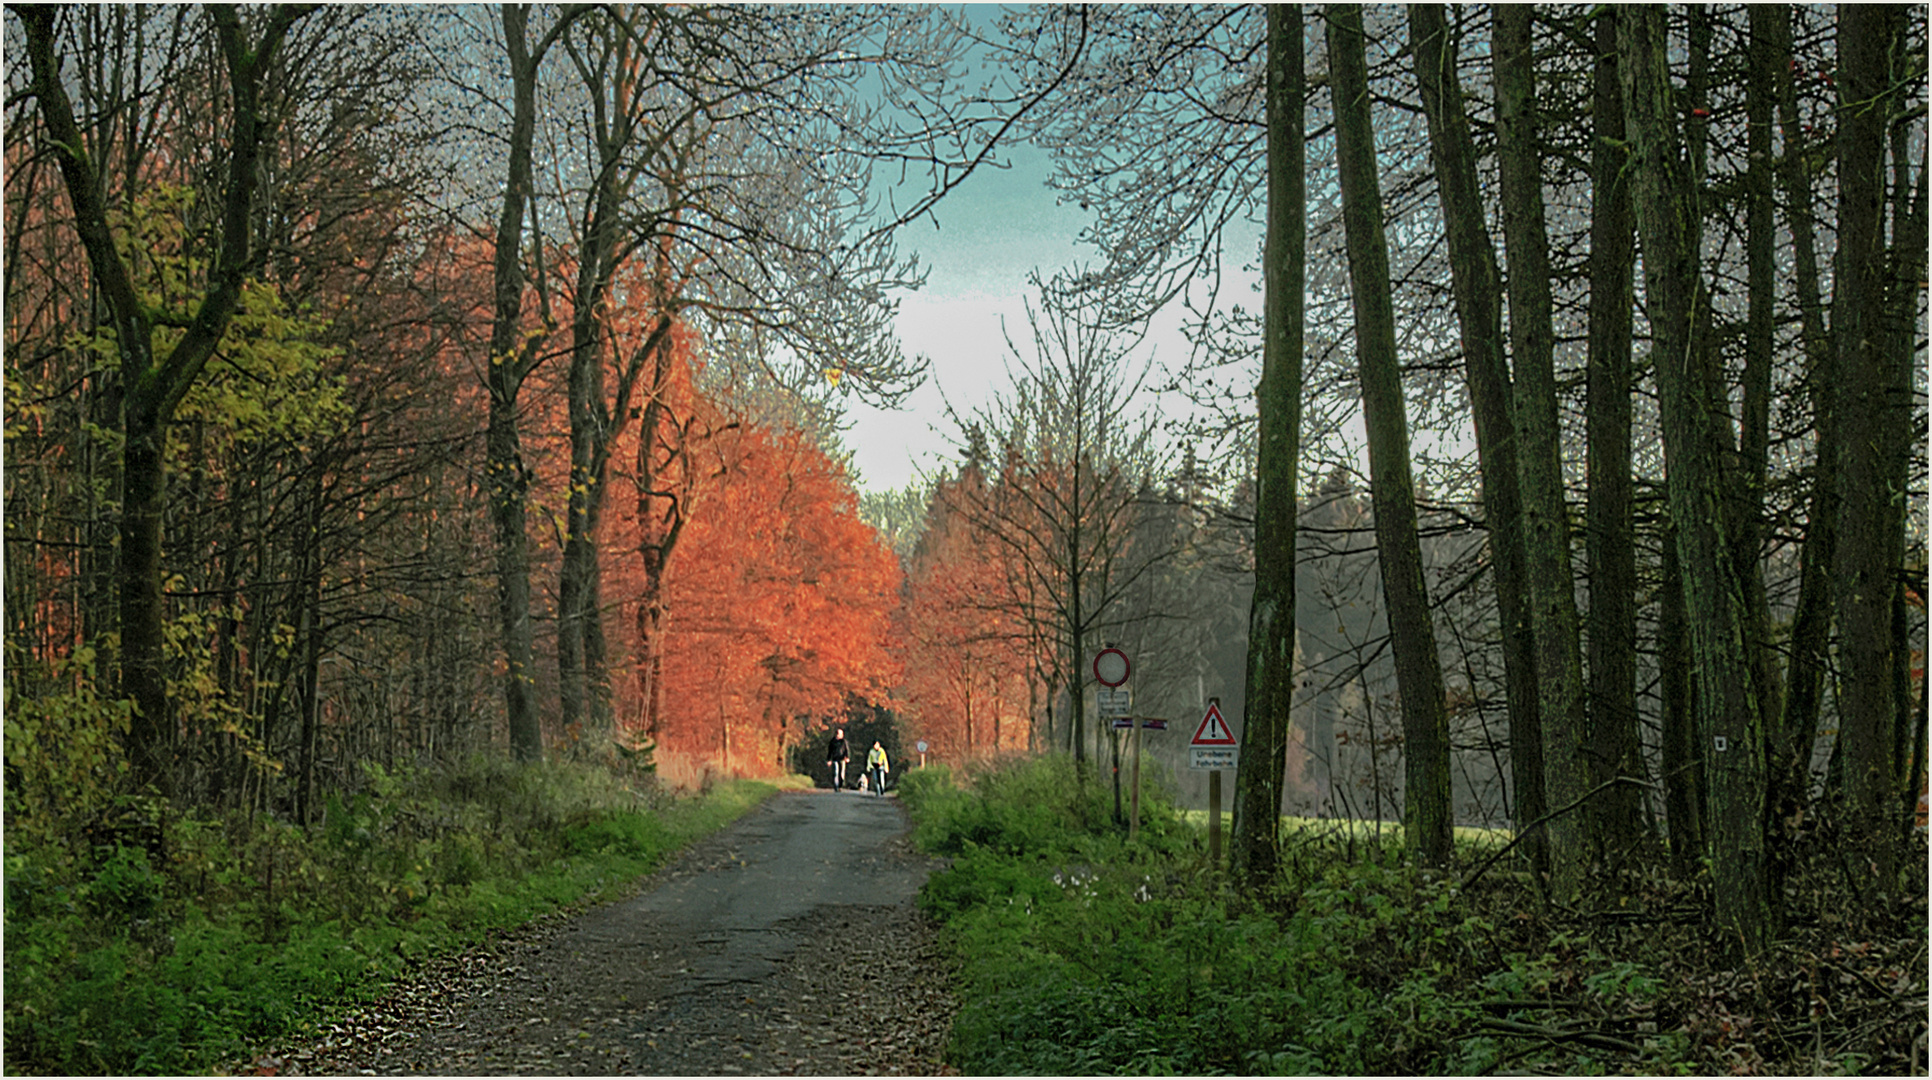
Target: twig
[1596,1040]
[1531,828]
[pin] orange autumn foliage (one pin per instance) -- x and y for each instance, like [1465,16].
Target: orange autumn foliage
[778,599]
[966,688]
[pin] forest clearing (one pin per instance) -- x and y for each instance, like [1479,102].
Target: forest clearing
[1487,443]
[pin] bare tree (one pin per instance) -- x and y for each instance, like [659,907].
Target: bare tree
[1069,466]
[1477,286]
[1254,851]
[1425,723]
[1725,699]
[1610,541]
[1873,387]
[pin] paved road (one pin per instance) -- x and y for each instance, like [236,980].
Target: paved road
[788,943]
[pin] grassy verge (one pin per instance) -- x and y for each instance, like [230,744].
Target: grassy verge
[178,952]
[1468,837]
[1082,954]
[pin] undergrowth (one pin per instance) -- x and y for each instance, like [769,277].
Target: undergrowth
[1081,953]
[173,944]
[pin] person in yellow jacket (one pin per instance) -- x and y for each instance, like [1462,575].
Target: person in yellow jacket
[878,767]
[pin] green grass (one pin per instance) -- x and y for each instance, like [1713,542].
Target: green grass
[122,961]
[1467,836]
[1081,953]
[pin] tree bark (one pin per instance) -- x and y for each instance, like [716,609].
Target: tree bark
[1254,853]
[1546,531]
[1427,815]
[1610,539]
[1754,426]
[579,622]
[1871,467]
[658,535]
[1681,755]
[511,358]
[1797,726]
[1905,272]
[1475,282]
[1726,698]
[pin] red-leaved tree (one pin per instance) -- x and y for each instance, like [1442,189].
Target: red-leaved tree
[965,651]
[779,606]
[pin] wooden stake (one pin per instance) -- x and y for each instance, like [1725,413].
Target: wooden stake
[1214,818]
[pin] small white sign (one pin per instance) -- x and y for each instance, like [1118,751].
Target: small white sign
[1115,702]
[1216,758]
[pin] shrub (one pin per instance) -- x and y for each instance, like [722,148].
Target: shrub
[121,961]
[1081,953]
[1030,805]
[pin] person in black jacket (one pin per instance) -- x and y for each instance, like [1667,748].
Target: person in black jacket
[836,755]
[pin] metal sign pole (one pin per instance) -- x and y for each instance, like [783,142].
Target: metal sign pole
[1133,823]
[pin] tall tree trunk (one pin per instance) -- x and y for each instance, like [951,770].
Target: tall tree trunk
[579,623]
[1681,754]
[597,695]
[154,383]
[1610,540]
[1754,426]
[509,493]
[1075,629]
[1904,275]
[1427,814]
[650,662]
[512,356]
[1797,727]
[1768,78]
[310,583]
[1871,467]
[1254,851]
[1475,282]
[1546,531]
[1726,698]
[662,475]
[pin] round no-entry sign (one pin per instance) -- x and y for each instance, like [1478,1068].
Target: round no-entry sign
[1110,666]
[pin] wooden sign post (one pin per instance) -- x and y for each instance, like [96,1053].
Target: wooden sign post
[1214,818]
[1214,748]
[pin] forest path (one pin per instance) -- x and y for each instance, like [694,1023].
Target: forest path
[787,943]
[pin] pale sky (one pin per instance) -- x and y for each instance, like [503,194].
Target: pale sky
[993,231]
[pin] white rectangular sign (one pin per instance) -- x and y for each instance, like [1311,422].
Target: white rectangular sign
[1115,702]
[1219,758]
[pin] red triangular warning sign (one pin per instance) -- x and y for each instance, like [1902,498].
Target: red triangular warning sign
[1213,730]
